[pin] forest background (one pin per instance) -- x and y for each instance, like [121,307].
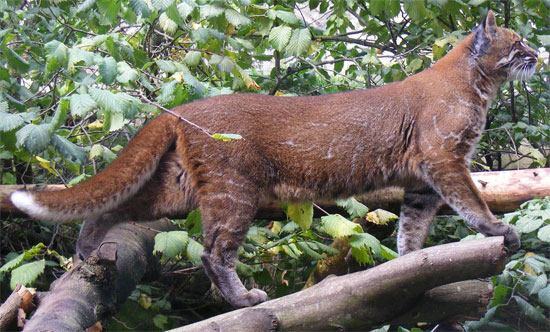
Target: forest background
[78,79]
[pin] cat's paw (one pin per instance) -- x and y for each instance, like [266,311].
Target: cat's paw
[511,239]
[250,298]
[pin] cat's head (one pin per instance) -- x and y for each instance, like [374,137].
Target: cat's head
[502,52]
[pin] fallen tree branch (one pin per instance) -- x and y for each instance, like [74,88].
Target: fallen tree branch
[504,191]
[93,289]
[19,302]
[369,298]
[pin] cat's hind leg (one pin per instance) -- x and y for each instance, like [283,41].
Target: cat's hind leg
[226,216]
[417,212]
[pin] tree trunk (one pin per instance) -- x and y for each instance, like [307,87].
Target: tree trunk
[504,191]
[374,297]
[92,289]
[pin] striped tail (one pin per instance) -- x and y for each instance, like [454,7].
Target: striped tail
[109,188]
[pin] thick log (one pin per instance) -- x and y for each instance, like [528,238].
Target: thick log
[93,289]
[17,304]
[504,191]
[367,299]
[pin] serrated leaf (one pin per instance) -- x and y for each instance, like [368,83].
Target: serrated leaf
[290,227]
[377,7]
[279,37]
[544,233]
[167,24]
[113,120]
[85,5]
[140,7]
[416,9]
[162,4]
[226,137]
[527,224]
[9,122]
[201,35]
[529,310]
[387,253]
[77,55]
[108,11]
[13,263]
[166,66]
[108,69]
[27,274]
[476,3]
[60,116]
[194,83]
[126,74]
[361,255]
[185,8]
[107,100]
[192,58]
[35,138]
[309,251]
[355,208]
[544,296]
[287,16]
[15,61]
[96,151]
[194,251]
[81,104]
[57,50]
[226,65]
[299,42]
[167,92]
[68,149]
[301,214]
[381,217]
[539,284]
[544,39]
[170,244]
[209,11]
[337,226]
[236,18]
[365,239]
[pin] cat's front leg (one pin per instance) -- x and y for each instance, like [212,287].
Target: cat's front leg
[450,178]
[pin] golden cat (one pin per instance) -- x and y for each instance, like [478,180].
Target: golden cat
[419,134]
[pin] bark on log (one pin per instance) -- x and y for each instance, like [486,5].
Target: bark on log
[20,299]
[366,299]
[93,289]
[504,191]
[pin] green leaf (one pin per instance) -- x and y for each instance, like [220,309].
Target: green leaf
[185,8]
[279,37]
[15,61]
[192,58]
[381,217]
[361,255]
[107,100]
[236,18]
[194,251]
[35,138]
[527,224]
[81,104]
[108,69]
[544,296]
[226,137]
[299,42]
[69,150]
[167,24]
[85,5]
[377,7]
[414,65]
[108,11]
[162,4]
[60,116]
[12,264]
[10,121]
[337,226]
[167,66]
[287,16]
[416,9]
[126,74]
[57,50]
[27,273]
[387,253]
[476,3]
[226,65]
[96,151]
[309,251]
[193,222]
[355,208]
[539,284]
[171,244]
[160,321]
[113,120]
[77,55]
[194,83]
[529,310]
[140,7]
[544,233]
[210,11]
[365,239]
[301,214]
[544,39]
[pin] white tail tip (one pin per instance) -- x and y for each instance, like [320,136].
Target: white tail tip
[24,201]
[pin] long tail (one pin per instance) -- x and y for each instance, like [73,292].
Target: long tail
[109,188]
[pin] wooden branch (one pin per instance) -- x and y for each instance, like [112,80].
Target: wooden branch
[370,298]
[20,301]
[504,191]
[93,289]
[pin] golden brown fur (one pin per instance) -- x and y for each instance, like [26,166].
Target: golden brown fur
[418,134]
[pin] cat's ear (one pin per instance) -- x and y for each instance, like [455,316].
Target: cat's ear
[485,33]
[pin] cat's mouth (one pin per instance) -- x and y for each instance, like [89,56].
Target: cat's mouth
[524,70]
